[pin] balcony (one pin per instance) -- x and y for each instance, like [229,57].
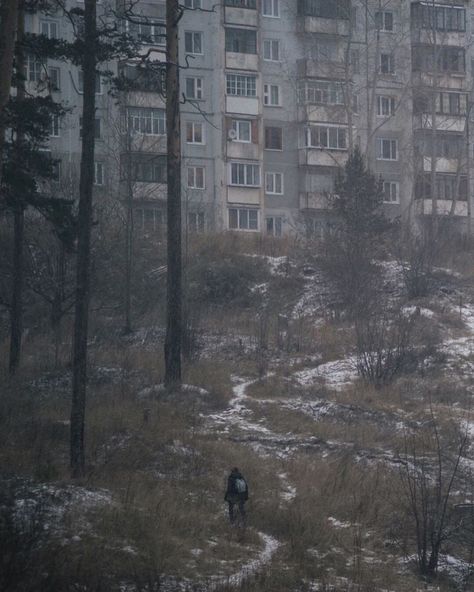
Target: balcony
[241,61]
[332,69]
[316,113]
[241,16]
[443,165]
[321,157]
[149,191]
[329,26]
[242,105]
[424,207]
[314,201]
[445,123]
[244,195]
[242,150]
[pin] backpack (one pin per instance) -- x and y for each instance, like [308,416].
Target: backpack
[240,485]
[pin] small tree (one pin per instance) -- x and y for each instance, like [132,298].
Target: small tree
[429,474]
[360,225]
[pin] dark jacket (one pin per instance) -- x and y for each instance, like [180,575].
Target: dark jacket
[231,494]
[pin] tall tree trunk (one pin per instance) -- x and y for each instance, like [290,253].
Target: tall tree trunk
[128,234]
[16,307]
[81,318]
[8,28]
[174,290]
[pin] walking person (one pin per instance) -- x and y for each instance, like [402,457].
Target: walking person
[237,493]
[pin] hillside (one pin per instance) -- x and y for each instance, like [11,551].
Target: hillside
[273,385]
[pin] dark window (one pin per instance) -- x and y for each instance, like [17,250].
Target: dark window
[145,168]
[274,138]
[241,40]
[337,9]
[447,186]
[448,58]
[439,18]
[242,3]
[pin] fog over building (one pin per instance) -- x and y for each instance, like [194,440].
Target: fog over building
[275,95]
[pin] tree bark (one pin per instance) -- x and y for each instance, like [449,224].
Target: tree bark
[16,308]
[8,29]
[174,288]
[81,318]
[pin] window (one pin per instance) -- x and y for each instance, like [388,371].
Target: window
[98,83]
[273,138]
[244,175]
[243,219]
[449,59]
[194,132]
[196,222]
[242,3]
[385,106]
[193,42]
[49,29]
[54,126]
[271,50]
[387,149]
[96,128]
[321,92]
[271,8]
[325,50]
[447,186]
[274,183]
[148,168]
[384,20]
[387,63]
[390,192]
[355,61]
[98,173]
[241,86]
[196,177]
[241,40]
[446,103]
[271,95]
[54,78]
[142,79]
[192,4]
[34,69]
[148,219]
[338,9]
[446,145]
[440,18]
[274,225]
[330,137]
[147,121]
[193,88]
[242,129]
[151,33]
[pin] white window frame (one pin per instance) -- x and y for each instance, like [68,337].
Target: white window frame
[192,177]
[99,176]
[238,125]
[57,87]
[243,212]
[55,127]
[277,226]
[147,121]
[393,186]
[391,63]
[34,69]
[380,150]
[194,126]
[274,8]
[268,95]
[193,4]
[197,91]
[256,172]
[194,36]
[241,82]
[387,101]
[196,222]
[324,128]
[271,50]
[271,183]
[49,24]
[382,25]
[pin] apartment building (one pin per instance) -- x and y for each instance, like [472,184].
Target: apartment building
[275,95]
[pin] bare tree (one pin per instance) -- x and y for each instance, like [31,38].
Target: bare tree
[174,287]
